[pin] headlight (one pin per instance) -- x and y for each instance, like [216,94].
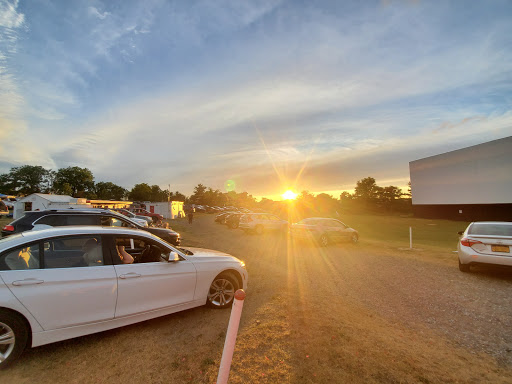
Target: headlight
[242,264]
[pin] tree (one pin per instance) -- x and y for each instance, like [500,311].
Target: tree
[157,194]
[26,180]
[80,180]
[109,191]
[198,195]
[366,189]
[326,204]
[177,196]
[140,192]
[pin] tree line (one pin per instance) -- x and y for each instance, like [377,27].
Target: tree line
[79,182]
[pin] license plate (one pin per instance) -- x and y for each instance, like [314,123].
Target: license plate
[500,248]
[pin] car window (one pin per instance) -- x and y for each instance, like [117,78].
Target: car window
[334,223]
[24,257]
[108,221]
[490,229]
[142,250]
[53,220]
[70,252]
[83,220]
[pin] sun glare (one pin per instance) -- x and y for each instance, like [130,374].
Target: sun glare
[289,195]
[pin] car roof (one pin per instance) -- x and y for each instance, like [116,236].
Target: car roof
[28,236]
[492,222]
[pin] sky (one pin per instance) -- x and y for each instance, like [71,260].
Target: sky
[273,95]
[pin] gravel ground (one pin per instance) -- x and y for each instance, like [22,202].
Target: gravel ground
[472,309]
[421,289]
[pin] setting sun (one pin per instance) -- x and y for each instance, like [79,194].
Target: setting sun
[289,195]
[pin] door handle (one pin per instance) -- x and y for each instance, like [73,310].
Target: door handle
[27,282]
[130,275]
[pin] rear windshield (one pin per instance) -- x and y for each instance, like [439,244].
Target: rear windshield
[491,229]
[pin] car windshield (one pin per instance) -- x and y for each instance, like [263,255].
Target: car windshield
[491,229]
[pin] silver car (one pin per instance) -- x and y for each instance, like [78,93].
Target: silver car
[485,242]
[261,222]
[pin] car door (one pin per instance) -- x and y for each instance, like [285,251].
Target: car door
[148,285]
[341,230]
[51,279]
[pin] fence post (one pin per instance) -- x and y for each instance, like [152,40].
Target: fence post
[229,344]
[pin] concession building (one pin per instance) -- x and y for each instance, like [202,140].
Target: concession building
[473,183]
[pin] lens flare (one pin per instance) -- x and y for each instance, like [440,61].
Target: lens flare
[229,185]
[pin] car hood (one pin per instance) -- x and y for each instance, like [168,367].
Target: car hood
[161,231]
[207,254]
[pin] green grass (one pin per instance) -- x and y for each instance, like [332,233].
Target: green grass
[395,230]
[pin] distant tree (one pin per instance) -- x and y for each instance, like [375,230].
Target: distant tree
[198,195]
[66,189]
[345,196]
[409,189]
[157,194]
[25,180]
[109,191]
[80,180]
[366,189]
[140,192]
[326,205]
[177,196]
[390,193]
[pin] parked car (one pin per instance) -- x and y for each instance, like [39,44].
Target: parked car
[221,217]
[485,242]
[324,230]
[133,216]
[142,212]
[92,216]
[233,220]
[52,290]
[261,222]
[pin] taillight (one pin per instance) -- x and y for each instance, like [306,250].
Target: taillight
[469,242]
[9,228]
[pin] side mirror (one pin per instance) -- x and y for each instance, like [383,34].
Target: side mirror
[460,233]
[172,257]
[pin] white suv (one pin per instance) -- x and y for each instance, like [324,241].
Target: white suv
[261,222]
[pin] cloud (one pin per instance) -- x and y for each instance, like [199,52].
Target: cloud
[9,16]
[93,11]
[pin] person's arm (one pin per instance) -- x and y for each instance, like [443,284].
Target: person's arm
[125,257]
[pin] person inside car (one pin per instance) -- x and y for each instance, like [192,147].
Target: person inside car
[125,257]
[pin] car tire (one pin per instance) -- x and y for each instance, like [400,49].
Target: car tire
[222,291]
[464,267]
[12,328]
[259,229]
[323,240]
[354,238]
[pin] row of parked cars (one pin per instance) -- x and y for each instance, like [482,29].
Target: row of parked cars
[323,230]
[72,272]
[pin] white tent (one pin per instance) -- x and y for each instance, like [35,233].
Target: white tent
[41,201]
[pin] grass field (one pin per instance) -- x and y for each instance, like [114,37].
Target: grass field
[301,323]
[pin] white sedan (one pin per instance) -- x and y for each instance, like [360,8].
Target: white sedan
[485,242]
[60,283]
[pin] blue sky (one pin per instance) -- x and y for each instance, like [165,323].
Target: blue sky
[270,94]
